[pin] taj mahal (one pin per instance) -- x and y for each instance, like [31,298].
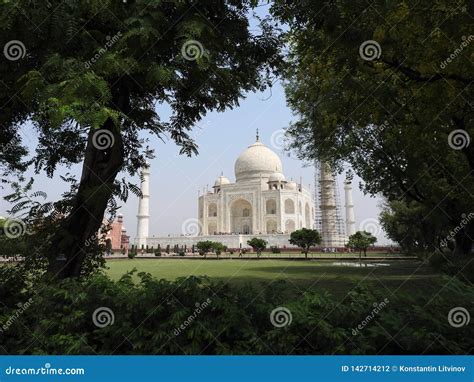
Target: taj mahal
[260,203]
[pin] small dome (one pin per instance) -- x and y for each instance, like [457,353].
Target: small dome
[277,177]
[221,181]
[257,160]
[291,185]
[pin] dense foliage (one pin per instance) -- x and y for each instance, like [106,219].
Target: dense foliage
[386,87]
[195,316]
[90,77]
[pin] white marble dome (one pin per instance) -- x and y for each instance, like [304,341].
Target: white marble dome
[257,160]
[277,177]
[221,180]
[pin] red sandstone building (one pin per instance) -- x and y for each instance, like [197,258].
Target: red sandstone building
[118,235]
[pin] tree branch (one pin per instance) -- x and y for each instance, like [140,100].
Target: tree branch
[417,76]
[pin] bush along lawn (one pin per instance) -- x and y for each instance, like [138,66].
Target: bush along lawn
[196,316]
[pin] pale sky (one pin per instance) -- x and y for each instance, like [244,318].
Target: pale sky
[175,180]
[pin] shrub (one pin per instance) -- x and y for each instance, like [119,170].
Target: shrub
[456,265]
[132,254]
[275,249]
[157,253]
[181,253]
[60,319]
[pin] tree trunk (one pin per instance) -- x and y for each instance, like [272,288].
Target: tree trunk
[100,168]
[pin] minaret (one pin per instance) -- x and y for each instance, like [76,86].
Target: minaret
[328,206]
[350,218]
[143,215]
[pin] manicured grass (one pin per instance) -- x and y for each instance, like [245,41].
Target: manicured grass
[300,275]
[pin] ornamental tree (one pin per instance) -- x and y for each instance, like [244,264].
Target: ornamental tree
[305,238]
[257,244]
[218,248]
[360,241]
[92,75]
[204,247]
[386,87]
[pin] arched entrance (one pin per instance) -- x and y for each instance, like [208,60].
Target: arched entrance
[241,217]
[289,206]
[212,210]
[271,207]
[289,226]
[271,226]
[212,228]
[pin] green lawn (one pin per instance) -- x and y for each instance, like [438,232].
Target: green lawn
[301,275]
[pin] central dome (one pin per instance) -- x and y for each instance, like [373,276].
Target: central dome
[257,160]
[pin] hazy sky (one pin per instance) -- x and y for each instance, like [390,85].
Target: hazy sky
[175,180]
